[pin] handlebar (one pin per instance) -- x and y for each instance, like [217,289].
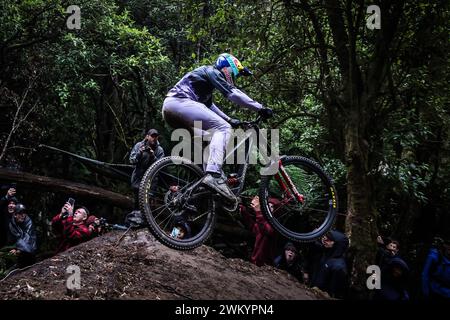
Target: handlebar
[250,123]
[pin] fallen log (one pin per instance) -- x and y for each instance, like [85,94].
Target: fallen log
[67,187]
[83,190]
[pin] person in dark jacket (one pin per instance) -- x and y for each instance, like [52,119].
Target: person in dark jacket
[22,236]
[71,227]
[387,249]
[265,248]
[330,268]
[436,273]
[7,208]
[142,156]
[289,260]
[394,280]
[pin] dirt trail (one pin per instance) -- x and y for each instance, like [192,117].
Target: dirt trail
[139,267]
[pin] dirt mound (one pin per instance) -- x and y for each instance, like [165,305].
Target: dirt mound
[136,266]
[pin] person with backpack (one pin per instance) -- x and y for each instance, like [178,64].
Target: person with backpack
[436,272]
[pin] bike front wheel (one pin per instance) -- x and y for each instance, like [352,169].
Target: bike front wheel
[299,200]
[178,215]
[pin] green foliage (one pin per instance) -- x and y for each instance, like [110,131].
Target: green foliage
[96,90]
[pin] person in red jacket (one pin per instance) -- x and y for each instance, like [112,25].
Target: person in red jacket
[265,249]
[71,227]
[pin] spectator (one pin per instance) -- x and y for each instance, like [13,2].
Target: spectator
[289,260]
[143,154]
[11,193]
[22,236]
[329,271]
[265,248]
[436,272]
[71,227]
[181,230]
[387,250]
[394,279]
[7,208]
[95,226]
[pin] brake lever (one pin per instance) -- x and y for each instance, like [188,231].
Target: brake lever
[251,123]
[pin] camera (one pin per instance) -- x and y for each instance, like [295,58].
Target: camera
[148,147]
[101,223]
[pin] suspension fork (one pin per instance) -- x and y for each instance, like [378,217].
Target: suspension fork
[287,185]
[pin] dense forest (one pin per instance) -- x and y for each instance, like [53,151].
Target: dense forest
[371,105]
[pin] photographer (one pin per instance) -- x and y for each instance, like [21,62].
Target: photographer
[7,209]
[99,226]
[143,154]
[22,237]
[71,226]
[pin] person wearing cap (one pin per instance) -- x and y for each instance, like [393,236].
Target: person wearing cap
[22,237]
[142,156]
[190,101]
[266,238]
[289,260]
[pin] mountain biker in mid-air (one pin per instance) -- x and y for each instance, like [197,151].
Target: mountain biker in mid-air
[191,100]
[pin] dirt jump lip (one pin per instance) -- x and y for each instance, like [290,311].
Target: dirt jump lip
[139,267]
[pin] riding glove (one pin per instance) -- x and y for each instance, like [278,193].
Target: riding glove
[266,113]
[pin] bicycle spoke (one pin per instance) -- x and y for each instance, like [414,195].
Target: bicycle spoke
[318,210]
[163,207]
[200,216]
[178,179]
[170,204]
[304,193]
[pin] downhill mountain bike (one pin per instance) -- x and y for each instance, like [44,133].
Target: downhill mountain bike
[171,195]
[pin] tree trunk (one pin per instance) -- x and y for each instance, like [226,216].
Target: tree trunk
[68,187]
[361,213]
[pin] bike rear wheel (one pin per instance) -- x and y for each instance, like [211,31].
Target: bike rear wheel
[167,203]
[307,199]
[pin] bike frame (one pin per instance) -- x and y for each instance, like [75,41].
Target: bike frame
[242,169]
[281,176]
